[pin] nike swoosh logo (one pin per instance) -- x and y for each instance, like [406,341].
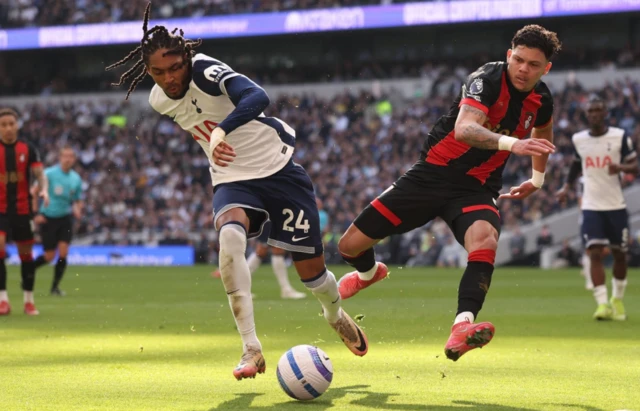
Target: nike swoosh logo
[363,344]
[295,240]
[337,299]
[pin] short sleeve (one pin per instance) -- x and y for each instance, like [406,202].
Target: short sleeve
[34,157]
[628,149]
[77,194]
[545,112]
[482,88]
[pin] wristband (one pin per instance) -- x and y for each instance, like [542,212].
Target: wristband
[506,142]
[537,178]
[217,137]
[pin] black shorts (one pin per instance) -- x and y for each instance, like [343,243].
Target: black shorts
[17,228]
[419,197]
[56,230]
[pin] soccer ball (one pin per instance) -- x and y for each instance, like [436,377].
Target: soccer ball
[304,372]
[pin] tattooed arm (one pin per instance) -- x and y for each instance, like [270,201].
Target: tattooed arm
[469,129]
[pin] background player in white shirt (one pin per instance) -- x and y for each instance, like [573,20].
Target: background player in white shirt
[602,153]
[585,261]
[253,175]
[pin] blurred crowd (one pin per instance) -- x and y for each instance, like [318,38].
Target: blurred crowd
[144,175]
[18,79]
[23,13]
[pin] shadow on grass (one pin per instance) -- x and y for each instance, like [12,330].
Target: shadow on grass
[374,400]
[580,407]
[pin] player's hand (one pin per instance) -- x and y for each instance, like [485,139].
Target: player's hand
[561,194]
[614,169]
[39,219]
[533,147]
[221,152]
[77,213]
[524,190]
[44,194]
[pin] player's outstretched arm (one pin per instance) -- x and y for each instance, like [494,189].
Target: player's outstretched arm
[539,163]
[470,129]
[539,135]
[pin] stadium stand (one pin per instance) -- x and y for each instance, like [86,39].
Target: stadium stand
[144,175]
[22,13]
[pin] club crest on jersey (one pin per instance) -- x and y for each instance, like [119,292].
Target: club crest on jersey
[195,103]
[58,190]
[476,86]
[22,158]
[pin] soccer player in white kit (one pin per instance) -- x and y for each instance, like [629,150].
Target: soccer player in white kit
[603,152]
[255,179]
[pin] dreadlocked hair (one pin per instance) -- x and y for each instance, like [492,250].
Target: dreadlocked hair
[153,40]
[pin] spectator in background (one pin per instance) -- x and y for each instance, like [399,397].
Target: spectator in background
[567,256]
[544,241]
[517,244]
[545,238]
[452,254]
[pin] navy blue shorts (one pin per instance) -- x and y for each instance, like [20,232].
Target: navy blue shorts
[606,228]
[266,230]
[285,198]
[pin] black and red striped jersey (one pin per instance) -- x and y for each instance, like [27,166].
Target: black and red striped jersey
[509,112]
[16,162]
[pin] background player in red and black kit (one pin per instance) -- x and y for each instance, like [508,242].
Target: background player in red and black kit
[459,175]
[18,161]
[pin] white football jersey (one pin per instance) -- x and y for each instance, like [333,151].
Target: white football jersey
[263,146]
[602,191]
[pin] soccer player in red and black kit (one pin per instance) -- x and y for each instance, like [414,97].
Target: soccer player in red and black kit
[18,161]
[459,175]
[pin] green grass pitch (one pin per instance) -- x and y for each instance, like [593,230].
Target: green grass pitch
[129,338]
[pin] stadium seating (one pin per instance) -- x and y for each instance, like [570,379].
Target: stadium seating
[144,174]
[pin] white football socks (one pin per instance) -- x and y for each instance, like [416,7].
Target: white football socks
[368,275]
[325,289]
[600,294]
[464,316]
[279,266]
[236,278]
[254,262]
[618,287]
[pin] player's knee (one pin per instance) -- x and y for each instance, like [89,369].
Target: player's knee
[261,251]
[481,236]
[278,251]
[619,256]
[48,255]
[308,265]
[347,246]
[233,240]
[596,253]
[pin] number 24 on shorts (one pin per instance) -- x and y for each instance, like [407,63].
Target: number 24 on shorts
[301,223]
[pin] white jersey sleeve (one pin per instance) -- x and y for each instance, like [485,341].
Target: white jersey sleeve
[628,151]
